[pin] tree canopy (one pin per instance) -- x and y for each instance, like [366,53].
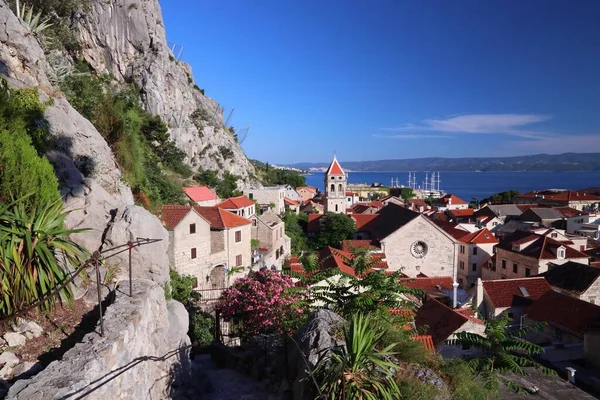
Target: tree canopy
[334,229]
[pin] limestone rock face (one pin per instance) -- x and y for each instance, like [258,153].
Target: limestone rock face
[20,53]
[314,341]
[144,352]
[127,39]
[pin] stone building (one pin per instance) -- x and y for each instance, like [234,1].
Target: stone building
[450,202]
[510,297]
[201,195]
[306,193]
[474,251]
[267,197]
[525,254]
[240,205]
[269,230]
[207,242]
[335,181]
[576,280]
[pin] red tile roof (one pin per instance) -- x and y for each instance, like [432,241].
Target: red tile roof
[566,195]
[362,220]
[351,194]
[451,229]
[538,246]
[461,213]
[470,314]
[216,217]
[307,188]
[565,311]
[428,284]
[427,341]
[569,212]
[348,245]
[479,237]
[172,214]
[455,200]
[440,320]
[290,202]
[334,168]
[334,258]
[200,193]
[234,203]
[502,292]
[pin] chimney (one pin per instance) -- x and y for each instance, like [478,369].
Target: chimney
[571,374]
[450,200]
[454,294]
[479,294]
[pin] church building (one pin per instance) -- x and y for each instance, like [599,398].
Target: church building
[335,188]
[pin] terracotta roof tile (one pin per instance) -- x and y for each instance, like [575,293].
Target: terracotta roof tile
[479,237]
[427,341]
[334,258]
[290,202]
[216,217]
[200,193]
[334,168]
[502,292]
[461,213]
[234,203]
[450,197]
[565,311]
[428,284]
[439,320]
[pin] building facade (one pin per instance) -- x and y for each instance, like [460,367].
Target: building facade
[268,197]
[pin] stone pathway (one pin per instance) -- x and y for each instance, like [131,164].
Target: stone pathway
[227,384]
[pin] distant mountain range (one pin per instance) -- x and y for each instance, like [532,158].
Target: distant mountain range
[537,162]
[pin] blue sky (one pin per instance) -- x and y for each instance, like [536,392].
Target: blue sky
[384,79]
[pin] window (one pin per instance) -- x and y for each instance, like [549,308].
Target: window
[527,271]
[510,315]
[277,254]
[238,260]
[336,208]
[475,250]
[238,236]
[462,265]
[462,249]
[254,222]
[515,268]
[561,253]
[193,255]
[251,196]
[474,267]
[503,264]
[332,188]
[340,187]
[192,229]
[554,235]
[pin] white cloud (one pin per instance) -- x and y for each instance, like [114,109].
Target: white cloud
[413,136]
[507,124]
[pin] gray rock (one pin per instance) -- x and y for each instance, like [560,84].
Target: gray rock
[78,192]
[30,327]
[313,341]
[14,339]
[143,353]
[26,369]
[8,358]
[130,42]
[21,56]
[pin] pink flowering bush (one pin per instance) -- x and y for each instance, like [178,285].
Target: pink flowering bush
[263,302]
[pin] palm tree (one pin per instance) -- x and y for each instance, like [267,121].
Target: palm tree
[502,350]
[357,370]
[35,255]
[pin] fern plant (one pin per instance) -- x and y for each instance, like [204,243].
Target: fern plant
[358,370]
[502,349]
[33,22]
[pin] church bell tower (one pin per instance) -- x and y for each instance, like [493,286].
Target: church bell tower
[335,188]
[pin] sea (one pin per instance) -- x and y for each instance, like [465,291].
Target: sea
[479,185]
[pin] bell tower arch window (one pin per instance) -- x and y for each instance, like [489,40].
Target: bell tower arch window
[332,189]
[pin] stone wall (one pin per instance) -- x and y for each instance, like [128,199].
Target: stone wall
[144,353]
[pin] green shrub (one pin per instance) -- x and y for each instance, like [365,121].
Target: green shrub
[463,384]
[202,328]
[182,287]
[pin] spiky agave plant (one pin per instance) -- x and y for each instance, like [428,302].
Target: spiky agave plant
[502,350]
[35,255]
[33,22]
[358,370]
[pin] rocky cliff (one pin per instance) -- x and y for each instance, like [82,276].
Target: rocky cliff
[144,354]
[127,39]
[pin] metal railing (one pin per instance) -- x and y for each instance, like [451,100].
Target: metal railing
[95,260]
